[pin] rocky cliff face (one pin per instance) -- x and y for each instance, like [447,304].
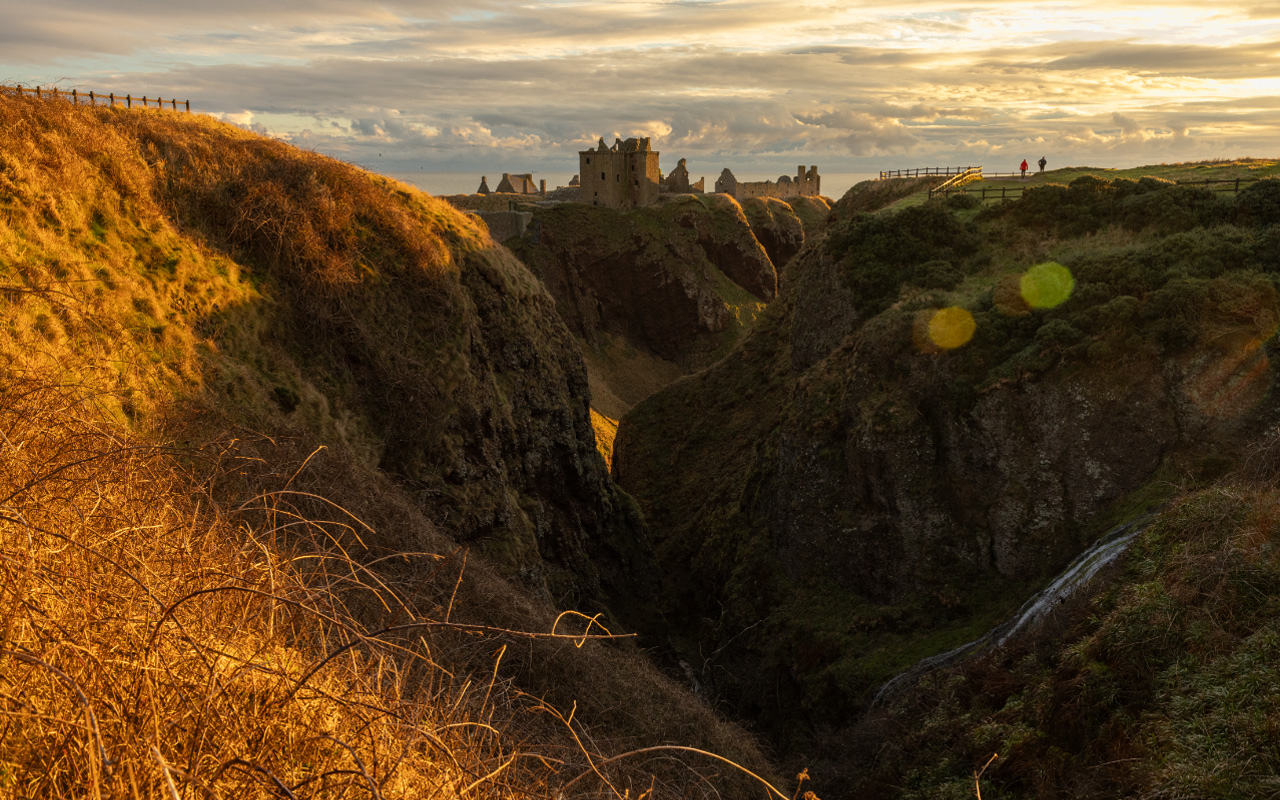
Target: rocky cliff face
[387,322]
[868,490]
[676,279]
[781,226]
[663,290]
[649,294]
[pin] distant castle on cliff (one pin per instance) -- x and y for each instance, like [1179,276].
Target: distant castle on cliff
[626,176]
[629,178]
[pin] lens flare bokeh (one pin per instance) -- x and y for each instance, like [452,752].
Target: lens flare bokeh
[1047,285]
[952,327]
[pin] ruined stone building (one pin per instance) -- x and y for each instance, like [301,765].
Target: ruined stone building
[678,181]
[624,176]
[513,184]
[806,183]
[520,184]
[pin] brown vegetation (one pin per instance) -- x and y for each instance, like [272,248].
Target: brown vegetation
[210,588]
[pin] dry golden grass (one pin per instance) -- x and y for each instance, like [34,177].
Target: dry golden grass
[248,615]
[158,641]
[155,644]
[606,429]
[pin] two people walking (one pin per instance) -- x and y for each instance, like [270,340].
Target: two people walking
[1041,162]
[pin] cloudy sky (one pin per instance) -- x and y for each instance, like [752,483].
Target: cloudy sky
[759,85]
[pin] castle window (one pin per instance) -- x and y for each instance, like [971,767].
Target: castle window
[588,159]
[618,178]
[637,181]
[602,176]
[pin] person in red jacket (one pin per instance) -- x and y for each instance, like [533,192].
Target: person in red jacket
[1024,168]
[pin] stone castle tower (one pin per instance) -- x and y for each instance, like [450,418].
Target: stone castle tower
[624,176]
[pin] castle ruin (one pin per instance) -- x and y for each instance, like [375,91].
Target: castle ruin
[624,176]
[521,183]
[678,181]
[806,183]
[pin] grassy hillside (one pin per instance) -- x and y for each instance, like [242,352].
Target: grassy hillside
[299,475]
[945,405]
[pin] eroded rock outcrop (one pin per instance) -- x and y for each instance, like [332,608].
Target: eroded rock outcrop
[680,280]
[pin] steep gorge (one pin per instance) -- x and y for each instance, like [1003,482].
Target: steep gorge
[842,495]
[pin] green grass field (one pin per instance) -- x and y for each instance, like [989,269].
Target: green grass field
[1193,171]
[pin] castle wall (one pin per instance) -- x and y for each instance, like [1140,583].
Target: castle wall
[504,225]
[807,183]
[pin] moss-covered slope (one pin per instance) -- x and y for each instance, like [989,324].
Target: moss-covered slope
[848,491]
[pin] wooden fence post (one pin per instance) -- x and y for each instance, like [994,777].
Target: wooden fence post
[188,106]
[128,101]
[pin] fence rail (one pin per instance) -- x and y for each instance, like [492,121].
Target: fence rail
[923,172]
[956,181]
[1007,192]
[93,98]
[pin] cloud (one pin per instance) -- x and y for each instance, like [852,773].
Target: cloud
[445,83]
[1128,126]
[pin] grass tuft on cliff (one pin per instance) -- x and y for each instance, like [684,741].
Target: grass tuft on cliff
[298,477]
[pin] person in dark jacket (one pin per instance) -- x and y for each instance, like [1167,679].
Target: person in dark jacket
[1042,162]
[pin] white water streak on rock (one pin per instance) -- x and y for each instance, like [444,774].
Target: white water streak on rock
[1075,577]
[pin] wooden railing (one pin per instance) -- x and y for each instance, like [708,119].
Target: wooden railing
[956,181]
[93,98]
[1012,192]
[1229,184]
[922,172]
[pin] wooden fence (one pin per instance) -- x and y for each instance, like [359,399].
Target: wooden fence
[923,172]
[93,98]
[1008,192]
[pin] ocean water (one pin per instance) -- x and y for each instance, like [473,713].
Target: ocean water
[834,185]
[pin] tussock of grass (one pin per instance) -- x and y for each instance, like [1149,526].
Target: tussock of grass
[153,638]
[201,600]
[156,635]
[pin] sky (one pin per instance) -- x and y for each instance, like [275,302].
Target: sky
[761,86]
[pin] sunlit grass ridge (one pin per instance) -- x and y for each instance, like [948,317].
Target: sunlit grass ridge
[212,342]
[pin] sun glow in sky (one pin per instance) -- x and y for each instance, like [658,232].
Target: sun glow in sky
[759,85]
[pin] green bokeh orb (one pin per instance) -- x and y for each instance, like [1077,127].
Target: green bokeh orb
[1047,285]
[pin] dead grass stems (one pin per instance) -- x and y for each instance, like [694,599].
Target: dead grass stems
[157,642]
